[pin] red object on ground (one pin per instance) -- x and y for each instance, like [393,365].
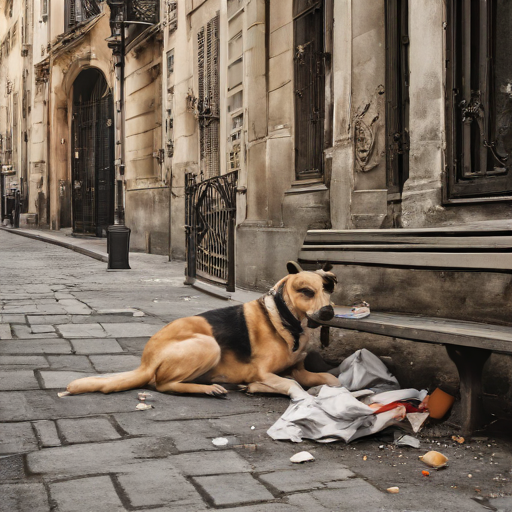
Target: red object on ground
[394,405]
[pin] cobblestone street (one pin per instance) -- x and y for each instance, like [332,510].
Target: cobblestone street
[62,316]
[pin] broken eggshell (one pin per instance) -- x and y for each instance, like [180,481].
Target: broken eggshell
[435,460]
[301,457]
[143,406]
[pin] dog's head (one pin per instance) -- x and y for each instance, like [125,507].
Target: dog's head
[308,293]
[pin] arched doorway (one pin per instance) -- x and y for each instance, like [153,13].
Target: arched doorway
[92,157]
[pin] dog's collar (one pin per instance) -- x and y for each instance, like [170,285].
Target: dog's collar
[290,322]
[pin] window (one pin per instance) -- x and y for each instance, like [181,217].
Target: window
[77,11]
[170,62]
[44,10]
[397,95]
[479,89]
[309,85]
[209,97]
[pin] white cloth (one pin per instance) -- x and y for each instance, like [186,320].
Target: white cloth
[336,413]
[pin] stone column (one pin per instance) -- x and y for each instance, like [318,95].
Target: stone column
[422,191]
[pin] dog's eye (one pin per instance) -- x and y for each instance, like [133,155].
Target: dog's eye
[307,292]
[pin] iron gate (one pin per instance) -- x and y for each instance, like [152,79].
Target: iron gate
[93,171]
[210,211]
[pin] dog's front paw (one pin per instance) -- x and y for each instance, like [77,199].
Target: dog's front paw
[217,391]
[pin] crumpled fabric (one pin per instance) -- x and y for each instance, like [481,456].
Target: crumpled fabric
[343,413]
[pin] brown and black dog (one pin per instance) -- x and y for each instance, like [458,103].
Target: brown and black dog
[251,345]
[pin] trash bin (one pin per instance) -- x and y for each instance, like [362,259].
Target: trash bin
[118,247]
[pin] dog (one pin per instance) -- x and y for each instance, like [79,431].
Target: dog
[260,345]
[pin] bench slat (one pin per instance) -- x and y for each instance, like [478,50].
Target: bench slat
[431,330]
[410,259]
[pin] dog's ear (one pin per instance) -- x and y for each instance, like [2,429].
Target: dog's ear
[330,280]
[327,266]
[293,267]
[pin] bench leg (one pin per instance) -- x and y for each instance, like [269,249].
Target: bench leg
[470,362]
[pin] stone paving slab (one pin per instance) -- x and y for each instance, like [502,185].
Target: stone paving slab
[12,319]
[131,330]
[233,489]
[86,495]
[87,459]
[25,332]
[114,363]
[47,433]
[60,379]
[87,430]
[163,487]
[35,346]
[45,404]
[5,332]
[17,438]
[41,329]
[75,307]
[96,346]
[81,330]
[71,363]
[48,319]
[23,498]
[17,380]
[20,362]
[210,463]
[310,477]
[134,345]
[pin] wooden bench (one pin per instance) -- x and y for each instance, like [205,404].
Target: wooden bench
[469,344]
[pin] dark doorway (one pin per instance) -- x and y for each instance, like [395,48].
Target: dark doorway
[92,157]
[309,86]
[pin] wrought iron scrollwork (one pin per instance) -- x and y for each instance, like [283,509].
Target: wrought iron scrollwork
[143,10]
[473,110]
[210,210]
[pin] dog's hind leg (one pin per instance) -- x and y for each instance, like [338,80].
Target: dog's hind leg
[185,361]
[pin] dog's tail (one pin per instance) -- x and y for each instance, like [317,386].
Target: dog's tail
[112,382]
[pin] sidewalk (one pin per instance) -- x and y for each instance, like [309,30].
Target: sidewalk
[94,247]
[97,248]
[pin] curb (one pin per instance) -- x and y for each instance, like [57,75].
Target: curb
[82,250]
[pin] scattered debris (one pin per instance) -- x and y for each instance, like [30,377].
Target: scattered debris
[249,446]
[393,490]
[434,459]
[220,441]
[143,406]
[365,457]
[301,457]
[458,439]
[143,396]
[253,427]
[470,476]
[405,440]
[425,473]
[417,419]
[63,393]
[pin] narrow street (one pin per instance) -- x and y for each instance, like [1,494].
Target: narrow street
[62,315]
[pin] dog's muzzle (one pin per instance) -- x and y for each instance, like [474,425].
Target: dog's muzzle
[322,315]
[326,313]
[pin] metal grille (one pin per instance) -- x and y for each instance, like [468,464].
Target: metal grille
[309,92]
[209,99]
[210,224]
[144,10]
[92,163]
